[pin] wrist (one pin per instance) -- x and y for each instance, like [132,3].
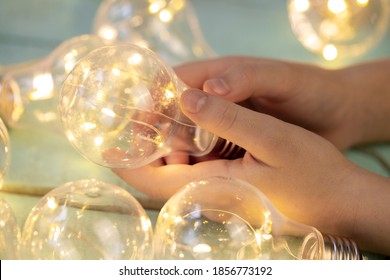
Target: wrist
[363,216]
[366,91]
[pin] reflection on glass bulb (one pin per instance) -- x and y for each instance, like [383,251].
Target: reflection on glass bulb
[29,91]
[119,106]
[9,233]
[339,28]
[224,218]
[87,219]
[167,27]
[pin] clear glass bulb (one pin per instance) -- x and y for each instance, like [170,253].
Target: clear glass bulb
[224,218]
[339,28]
[167,27]
[120,109]
[9,229]
[4,151]
[9,233]
[29,91]
[87,219]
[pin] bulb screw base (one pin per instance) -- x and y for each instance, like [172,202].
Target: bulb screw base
[227,150]
[340,248]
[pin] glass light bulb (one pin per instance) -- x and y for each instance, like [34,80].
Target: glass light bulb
[224,218]
[29,91]
[338,29]
[9,233]
[168,27]
[87,219]
[9,229]
[4,151]
[119,106]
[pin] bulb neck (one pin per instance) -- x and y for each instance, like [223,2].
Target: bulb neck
[340,248]
[11,107]
[6,108]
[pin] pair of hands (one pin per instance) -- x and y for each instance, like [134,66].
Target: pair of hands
[293,120]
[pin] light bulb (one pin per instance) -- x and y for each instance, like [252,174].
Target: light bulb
[29,91]
[226,218]
[4,151]
[167,27]
[9,233]
[337,29]
[9,229]
[87,219]
[119,106]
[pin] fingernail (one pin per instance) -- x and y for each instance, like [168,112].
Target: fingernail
[193,100]
[218,86]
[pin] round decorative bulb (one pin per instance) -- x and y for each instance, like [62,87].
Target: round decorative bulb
[9,230]
[120,109]
[224,218]
[9,233]
[29,91]
[4,151]
[168,27]
[338,29]
[87,219]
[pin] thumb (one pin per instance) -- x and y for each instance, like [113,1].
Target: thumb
[259,134]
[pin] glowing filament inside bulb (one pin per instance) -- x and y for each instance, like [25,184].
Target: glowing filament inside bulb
[178,220]
[108,112]
[330,52]
[362,3]
[169,94]
[156,6]
[201,248]
[116,71]
[146,224]
[108,32]
[88,126]
[43,87]
[165,15]
[55,232]
[100,95]
[159,141]
[301,5]
[52,203]
[135,59]
[337,6]
[99,141]
[70,60]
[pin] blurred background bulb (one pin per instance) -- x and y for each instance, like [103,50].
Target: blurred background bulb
[167,27]
[339,28]
[9,233]
[29,91]
[87,219]
[224,218]
[4,151]
[120,109]
[9,229]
